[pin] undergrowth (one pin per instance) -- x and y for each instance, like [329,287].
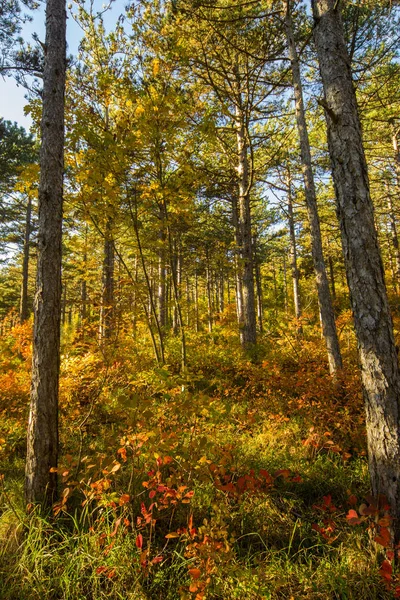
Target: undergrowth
[233,481]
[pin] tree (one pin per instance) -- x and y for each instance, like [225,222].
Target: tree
[17,152]
[42,450]
[373,323]
[324,296]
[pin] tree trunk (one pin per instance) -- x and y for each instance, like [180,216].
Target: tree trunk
[293,257]
[161,298]
[107,306]
[332,278]
[209,301]
[373,323]
[196,301]
[285,285]
[238,278]
[42,439]
[394,236]
[324,297]
[24,310]
[257,264]
[248,335]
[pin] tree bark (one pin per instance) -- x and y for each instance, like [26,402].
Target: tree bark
[248,335]
[293,257]
[327,315]
[162,270]
[107,304]
[394,236]
[24,310]
[42,440]
[373,323]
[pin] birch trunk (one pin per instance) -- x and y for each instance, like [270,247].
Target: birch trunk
[373,323]
[42,439]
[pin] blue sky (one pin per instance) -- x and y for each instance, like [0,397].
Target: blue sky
[12,97]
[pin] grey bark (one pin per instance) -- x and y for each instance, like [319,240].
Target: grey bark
[332,277]
[162,271]
[196,301]
[327,315]
[24,309]
[247,327]
[209,301]
[293,256]
[42,439]
[373,323]
[238,278]
[285,286]
[394,236]
[107,301]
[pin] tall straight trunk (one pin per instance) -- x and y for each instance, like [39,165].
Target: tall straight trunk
[84,295]
[326,312]
[64,303]
[23,309]
[151,310]
[373,322]
[293,255]
[396,149]
[134,298]
[238,278]
[107,305]
[161,292]
[188,300]
[176,276]
[196,301]
[332,277]
[247,328]
[391,260]
[394,236]
[285,285]
[258,288]
[221,292]
[42,439]
[209,300]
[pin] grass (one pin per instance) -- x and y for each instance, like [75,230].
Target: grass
[249,467]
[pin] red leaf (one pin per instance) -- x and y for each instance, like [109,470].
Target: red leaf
[139,541]
[353,518]
[282,473]
[383,538]
[386,571]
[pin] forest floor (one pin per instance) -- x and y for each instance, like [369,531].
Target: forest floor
[243,479]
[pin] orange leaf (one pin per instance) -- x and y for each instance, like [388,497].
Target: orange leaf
[117,524]
[195,573]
